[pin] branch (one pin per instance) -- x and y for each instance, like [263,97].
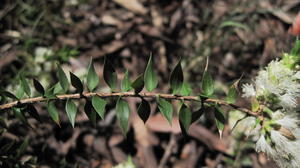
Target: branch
[125,94]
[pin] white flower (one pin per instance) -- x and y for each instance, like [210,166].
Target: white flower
[288,100]
[263,146]
[248,90]
[278,80]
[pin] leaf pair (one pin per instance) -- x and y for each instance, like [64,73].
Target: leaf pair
[149,79]
[94,107]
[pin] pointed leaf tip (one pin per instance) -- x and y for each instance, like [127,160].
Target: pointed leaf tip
[166,108]
[185,117]
[76,82]
[92,77]
[63,80]
[144,110]
[99,105]
[207,84]
[150,77]
[25,86]
[90,112]
[176,79]
[71,110]
[126,84]
[53,111]
[109,74]
[138,84]
[220,119]
[39,87]
[123,113]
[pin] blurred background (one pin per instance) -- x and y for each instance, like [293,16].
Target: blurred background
[238,36]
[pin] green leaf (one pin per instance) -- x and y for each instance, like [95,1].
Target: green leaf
[123,112]
[58,89]
[63,80]
[76,82]
[23,147]
[231,95]
[90,112]
[71,110]
[19,115]
[39,87]
[296,49]
[126,84]
[20,92]
[54,90]
[92,77]
[144,110]
[254,105]
[176,79]
[99,105]
[165,107]
[220,119]
[185,117]
[150,76]
[31,110]
[138,84]
[53,111]
[8,94]
[207,84]
[110,75]
[25,86]
[186,89]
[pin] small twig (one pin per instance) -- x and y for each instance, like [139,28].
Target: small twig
[124,94]
[168,151]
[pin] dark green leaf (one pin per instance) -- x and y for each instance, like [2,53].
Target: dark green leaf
[197,114]
[220,119]
[8,94]
[186,89]
[123,112]
[110,75]
[71,110]
[90,112]
[99,105]
[150,76]
[185,117]
[30,109]
[144,110]
[176,79]
[23,147]
[39,87]
[207,84]
[165,107]
[76,83]
[19,115]
[63,80]
[92,77]
[53,111]
[126,84]
[25,86]
[138,84]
